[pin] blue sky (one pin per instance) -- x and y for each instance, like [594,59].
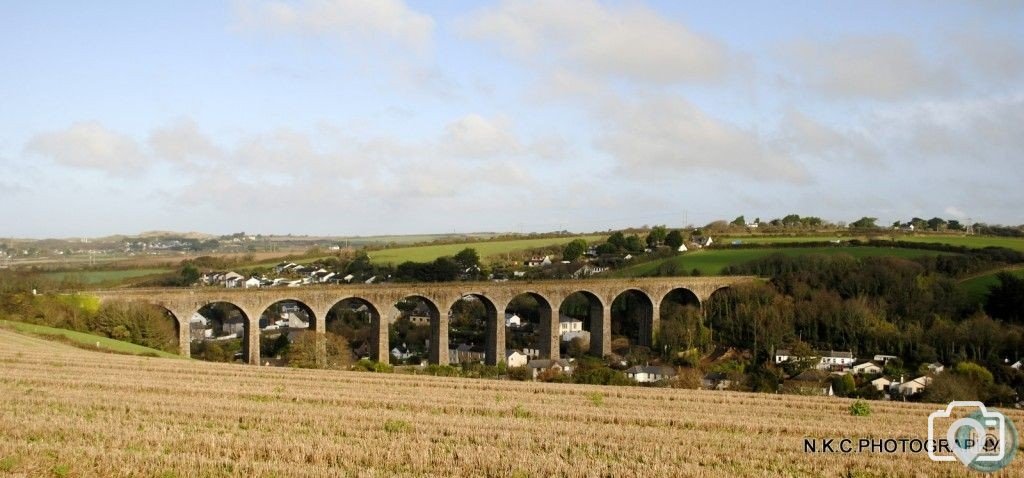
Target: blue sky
[368,117]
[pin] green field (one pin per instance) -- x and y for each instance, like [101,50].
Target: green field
[977,287]
[955,240]
[712,261]
[1014,243]
[488,250]
[98,277]
[94,342]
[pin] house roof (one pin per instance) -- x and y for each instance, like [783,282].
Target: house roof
[546,363]
[838,354]
[651,369]
[782,352]
[566,318]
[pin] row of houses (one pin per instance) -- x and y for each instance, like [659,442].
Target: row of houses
[299,276]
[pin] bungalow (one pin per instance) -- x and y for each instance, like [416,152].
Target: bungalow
[539,365]
[782,355]
[810,382]
[649,373]
[715,381]
[934,368]
[915,386]
[881,383]
[512,320]
[866,368]
[515,358]
[884,358]
[252,282]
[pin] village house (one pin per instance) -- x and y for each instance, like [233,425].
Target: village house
[568,324]
[465,353]
[835,360]
[715,381]
[810,382]
[782,355]
[538,366]
[252,282]
[866,368]
[512,320]
[914,386]
[649,373]
[935,368]
[881,383]
[515,358]
[538,261]
[884,358]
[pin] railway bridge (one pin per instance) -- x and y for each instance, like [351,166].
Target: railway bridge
[380,300]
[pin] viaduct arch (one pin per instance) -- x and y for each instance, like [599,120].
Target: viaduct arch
[183,302]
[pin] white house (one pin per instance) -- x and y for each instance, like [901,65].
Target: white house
[515,358]
[835,360]
[682,248]
[252,282]
[782,355]
[538,261]
[881,383]
[915,386]
[649,373]
[936,367]
[868,368]
[568,324]
[401,353]
[512,320]
[232,279]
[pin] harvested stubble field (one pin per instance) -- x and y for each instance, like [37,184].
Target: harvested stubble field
[71,412]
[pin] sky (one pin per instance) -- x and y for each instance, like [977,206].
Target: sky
[363,117]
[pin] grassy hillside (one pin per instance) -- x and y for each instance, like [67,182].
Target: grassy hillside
[956,240]
[977,287]
[99,277]
[83,339]
[712,261]
[487,250]
[70,412]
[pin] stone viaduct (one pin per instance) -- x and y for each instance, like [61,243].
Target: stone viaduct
[440,297]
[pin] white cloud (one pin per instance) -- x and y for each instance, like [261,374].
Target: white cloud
[665,134]
[90,145]
[629,42]
[807,137]
[870,66]
[183,142]
[363,21]
[474,136]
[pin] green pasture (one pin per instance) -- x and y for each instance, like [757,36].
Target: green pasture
[103,276]
[977,287]
[712,261]
[83,339]
[954,240]
[488,250]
